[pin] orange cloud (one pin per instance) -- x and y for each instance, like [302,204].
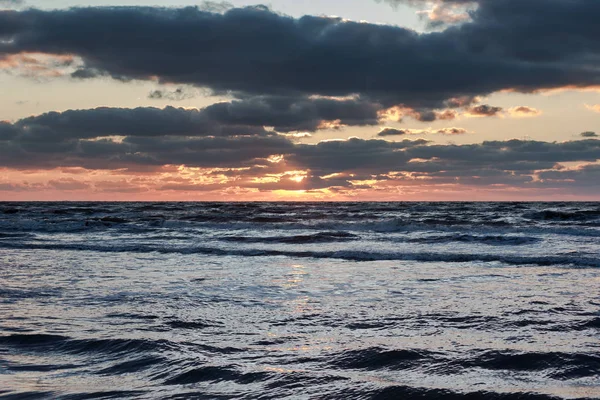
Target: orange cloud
[595,107]
[524,112]
[38,65]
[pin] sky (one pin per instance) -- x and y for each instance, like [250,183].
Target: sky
[392,100]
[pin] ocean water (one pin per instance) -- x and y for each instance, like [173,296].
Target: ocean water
[299,300]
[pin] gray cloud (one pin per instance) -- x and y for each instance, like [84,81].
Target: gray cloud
[178,94]
[246,117]
[484,110]
[522,45]
[442,131]
[142,121]
[152,137]
[288,114]
[336,163]
[392,132]
[588,134]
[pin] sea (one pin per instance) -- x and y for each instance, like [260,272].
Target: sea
[299,300]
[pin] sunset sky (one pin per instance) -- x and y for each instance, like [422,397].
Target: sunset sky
[300,100]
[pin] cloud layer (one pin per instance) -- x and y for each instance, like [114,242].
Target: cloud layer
[521,45]
[239,153]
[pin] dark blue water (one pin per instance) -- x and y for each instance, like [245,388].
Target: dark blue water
[299,300]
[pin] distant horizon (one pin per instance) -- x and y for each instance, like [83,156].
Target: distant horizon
[299,201]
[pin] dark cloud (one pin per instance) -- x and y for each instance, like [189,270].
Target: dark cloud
[287,114]
[246,117]
[442,131]
[424,116]
[353,163]
[142,121]
[583,179]
[510,154]
[451,131]
[8,131]
[484,110]
[352,155]
[588,134]
[522,45]
[392,132]
[112,138]
[178,94]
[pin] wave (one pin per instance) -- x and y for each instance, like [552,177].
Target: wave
[469,322]
[179,324]
[485,231]
[215,374]
[65,344]
[349,255]
[320,237]
[13,235]
[107,220]
[409,392]
[562,366]
[35,395]
[593,323]
[376,358]
[555,365]
[135,365]
[489,240]
[554,215]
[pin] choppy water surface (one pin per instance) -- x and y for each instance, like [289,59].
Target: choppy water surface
[307,301]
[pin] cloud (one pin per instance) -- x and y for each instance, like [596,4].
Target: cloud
[287,114]
[11,3]
[595,107]
[442,14]
[37,66]
[150,138]
[141,121]
[265,163]
[439,12]
[484,110]
[446,115]
[451,131]
[393,132]
[400,132]
[524,112]
[397,113]
[518,45]
[174,95]
[588,134]
[68,184]
[581,178]
[246,117]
